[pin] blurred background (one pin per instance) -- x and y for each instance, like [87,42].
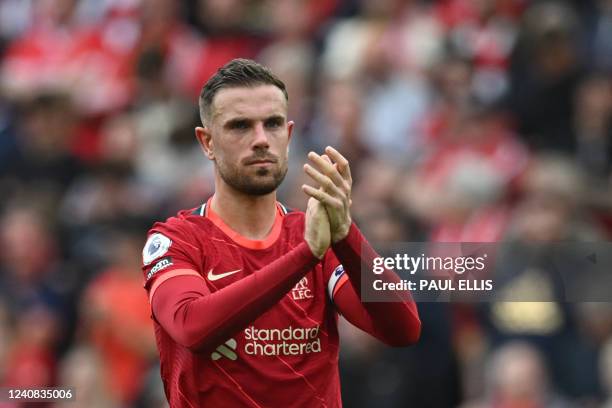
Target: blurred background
[464,120]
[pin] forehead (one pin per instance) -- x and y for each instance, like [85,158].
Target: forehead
[249,102]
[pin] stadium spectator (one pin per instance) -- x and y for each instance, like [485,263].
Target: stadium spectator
[446,109]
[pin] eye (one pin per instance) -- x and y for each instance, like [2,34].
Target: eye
[274,123]
[239,124]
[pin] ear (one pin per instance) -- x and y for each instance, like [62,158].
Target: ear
[204,137]
[290,126]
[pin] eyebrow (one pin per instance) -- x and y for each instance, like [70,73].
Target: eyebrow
[275,117]
[234,121]
[239,119]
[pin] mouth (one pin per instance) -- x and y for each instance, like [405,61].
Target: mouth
[261,165]
[260,162]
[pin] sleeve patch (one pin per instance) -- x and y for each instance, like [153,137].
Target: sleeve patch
[334,279]
[157,245]
[160,265]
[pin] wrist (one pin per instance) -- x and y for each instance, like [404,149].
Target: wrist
[306,250]
[342,232]
[352,236]
[316,251]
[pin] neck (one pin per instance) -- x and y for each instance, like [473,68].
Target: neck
[250,216]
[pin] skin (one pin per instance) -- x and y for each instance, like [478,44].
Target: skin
[247,136]
[332,173]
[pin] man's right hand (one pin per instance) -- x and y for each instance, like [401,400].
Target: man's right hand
[317,232]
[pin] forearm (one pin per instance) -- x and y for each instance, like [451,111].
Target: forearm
[396,322]
[198,319]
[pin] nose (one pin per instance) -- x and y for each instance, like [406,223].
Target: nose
[260,137]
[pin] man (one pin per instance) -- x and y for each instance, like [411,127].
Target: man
[244,292]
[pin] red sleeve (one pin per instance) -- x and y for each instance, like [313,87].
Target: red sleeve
[395,323]
[333,273]
[198,319]
[169,250]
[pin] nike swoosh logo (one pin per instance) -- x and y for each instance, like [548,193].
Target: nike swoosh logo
[213,277]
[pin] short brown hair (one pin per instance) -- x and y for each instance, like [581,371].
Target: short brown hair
[237,72]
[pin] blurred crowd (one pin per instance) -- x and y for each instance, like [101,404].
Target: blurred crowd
[463,120]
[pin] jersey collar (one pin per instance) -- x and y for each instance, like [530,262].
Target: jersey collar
[207,211]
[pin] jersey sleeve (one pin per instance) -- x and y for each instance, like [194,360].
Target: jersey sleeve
[396,321]
[168,252]
[334,274]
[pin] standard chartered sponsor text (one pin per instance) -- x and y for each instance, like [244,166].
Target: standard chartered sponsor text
[290,341]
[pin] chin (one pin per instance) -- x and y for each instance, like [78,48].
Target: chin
[260,189]
[262,172]
[258,183]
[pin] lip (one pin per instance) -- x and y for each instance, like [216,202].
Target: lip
[260,163]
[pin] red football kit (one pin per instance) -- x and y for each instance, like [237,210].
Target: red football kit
[253,323]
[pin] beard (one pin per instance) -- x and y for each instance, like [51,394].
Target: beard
[260,182]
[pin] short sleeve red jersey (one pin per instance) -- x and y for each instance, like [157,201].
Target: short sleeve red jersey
[286,357]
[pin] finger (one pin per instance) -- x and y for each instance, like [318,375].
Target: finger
[327,168]
[343,164]
[346,187]
[346,182]
[322,162]
[321,196]
[324,181]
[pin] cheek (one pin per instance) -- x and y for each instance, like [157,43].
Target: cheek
[229,157]
[221,157]
[281,144]
[225,150]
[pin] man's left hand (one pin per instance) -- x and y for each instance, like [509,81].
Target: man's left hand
[333,174]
